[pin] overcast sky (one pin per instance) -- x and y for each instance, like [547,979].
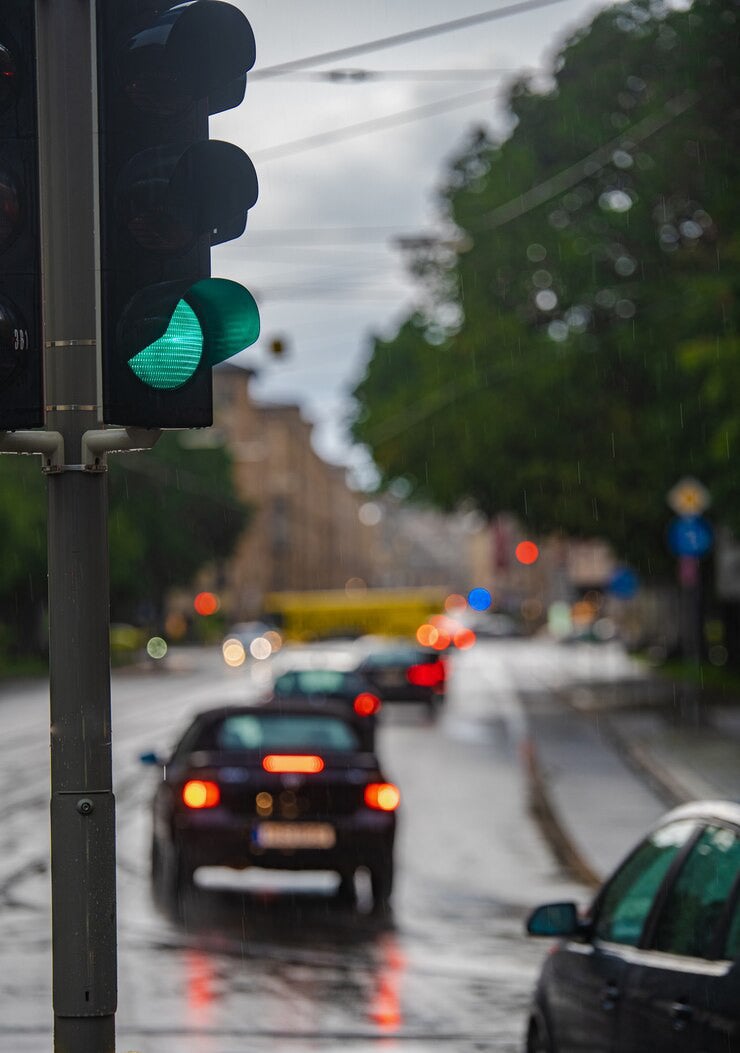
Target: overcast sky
[319,251]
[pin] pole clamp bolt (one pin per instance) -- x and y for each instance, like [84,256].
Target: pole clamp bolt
[85,806]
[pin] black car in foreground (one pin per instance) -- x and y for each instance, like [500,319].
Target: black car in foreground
[286,785]
[655,963]
[405,672]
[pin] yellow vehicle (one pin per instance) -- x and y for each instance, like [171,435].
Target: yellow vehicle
[389,612]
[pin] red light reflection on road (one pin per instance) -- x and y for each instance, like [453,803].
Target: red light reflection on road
[385,1003]
[199,988]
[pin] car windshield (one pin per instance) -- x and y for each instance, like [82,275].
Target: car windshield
[313,682]
[246,731]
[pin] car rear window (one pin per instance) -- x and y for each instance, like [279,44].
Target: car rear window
[245,731]
[399,657]
[312,682]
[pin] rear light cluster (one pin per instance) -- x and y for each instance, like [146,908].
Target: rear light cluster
[427,674]
[366,704]
[382,796]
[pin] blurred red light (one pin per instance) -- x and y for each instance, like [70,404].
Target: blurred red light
[426,674]
[201,793]
[464,639]
[206,603]
[443,641]
[527,552]
[366,704]
[382,796]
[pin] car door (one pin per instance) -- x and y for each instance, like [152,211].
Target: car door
[587,980]
[683,991]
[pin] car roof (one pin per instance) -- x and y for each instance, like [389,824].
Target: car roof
[725,811]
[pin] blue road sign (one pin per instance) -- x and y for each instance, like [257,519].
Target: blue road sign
[690,536]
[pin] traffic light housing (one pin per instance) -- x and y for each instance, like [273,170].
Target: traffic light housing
[167,194]
[21,376]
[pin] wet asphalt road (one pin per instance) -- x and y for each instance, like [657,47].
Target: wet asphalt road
[269,964]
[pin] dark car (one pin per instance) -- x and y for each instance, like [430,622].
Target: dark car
[285,785]
[404,672]
[329,685]
[655,963]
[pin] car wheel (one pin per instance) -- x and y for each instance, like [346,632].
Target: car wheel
[346,891]
[381,884]
[162,876]
[538,1040]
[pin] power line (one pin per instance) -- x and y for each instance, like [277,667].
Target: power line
[361,76]
[397,39]
[377,124]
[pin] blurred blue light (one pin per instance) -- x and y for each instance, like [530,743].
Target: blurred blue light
[479,599]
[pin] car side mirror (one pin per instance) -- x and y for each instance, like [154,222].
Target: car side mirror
[151,760]
[555,919]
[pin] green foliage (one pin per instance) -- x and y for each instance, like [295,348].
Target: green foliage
[172,511]
[582,354]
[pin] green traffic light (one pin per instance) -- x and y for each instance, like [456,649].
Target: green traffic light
[172,359]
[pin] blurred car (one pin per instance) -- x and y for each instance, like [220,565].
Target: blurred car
[329,685]
[284,785]
[405,672]
[655,963]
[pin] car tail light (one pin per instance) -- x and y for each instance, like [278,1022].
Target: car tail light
[201,793]
[427,674]
[307,763]
[382,796]
[367,704]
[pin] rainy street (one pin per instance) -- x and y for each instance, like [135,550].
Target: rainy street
[274,962]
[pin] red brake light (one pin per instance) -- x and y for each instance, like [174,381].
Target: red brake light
[306,763]
[366,704]
[201,793]
[382,796]
[427,674]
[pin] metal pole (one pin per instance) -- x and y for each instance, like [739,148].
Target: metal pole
[82,804]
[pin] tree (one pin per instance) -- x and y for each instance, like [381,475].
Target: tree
[581,356]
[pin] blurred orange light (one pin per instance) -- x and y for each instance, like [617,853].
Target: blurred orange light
[382,796]
[443,641]
[197,793]
[527,552]
[464,639]
[206,603]
[366,704]
[308,763]
[427,635]
[455,602]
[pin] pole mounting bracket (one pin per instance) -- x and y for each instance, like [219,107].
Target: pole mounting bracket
[49,444]
[99,442]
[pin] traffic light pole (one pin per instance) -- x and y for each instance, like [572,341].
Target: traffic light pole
[82,803]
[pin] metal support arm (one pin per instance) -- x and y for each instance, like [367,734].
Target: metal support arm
[50,444]
[96,444]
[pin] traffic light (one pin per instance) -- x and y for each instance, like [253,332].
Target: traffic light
[21,383]
[167,194]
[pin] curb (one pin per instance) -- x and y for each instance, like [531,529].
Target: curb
[549,822]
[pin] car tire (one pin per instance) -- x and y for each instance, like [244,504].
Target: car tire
[538,1038]
[346,893]
[162,876]
[381,884]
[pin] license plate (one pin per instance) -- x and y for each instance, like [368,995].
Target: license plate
[296,835]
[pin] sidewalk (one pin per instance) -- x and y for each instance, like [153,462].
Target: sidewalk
[606,760]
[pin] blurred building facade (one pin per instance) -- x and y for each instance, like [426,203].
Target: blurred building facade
[305,532]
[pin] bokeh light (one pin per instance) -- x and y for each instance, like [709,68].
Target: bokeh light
[479,599]
[464,639]
[156,647]
[455,603]
[527,552]
[427,635]
[206,603]
[274,639]
[234,653]
[442,642]
[260,648]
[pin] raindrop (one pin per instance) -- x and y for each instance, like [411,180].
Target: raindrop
[578,318]
[616,200]
[668,234]
[546,300]
[559,219]
[536,252]
[542,279]
[625,266]
[624,309]
[690,229]
[605,298]
[557,331]
[622,159]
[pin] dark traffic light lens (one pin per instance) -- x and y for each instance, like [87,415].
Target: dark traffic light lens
[10,209]
[8,78]
[14,342]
